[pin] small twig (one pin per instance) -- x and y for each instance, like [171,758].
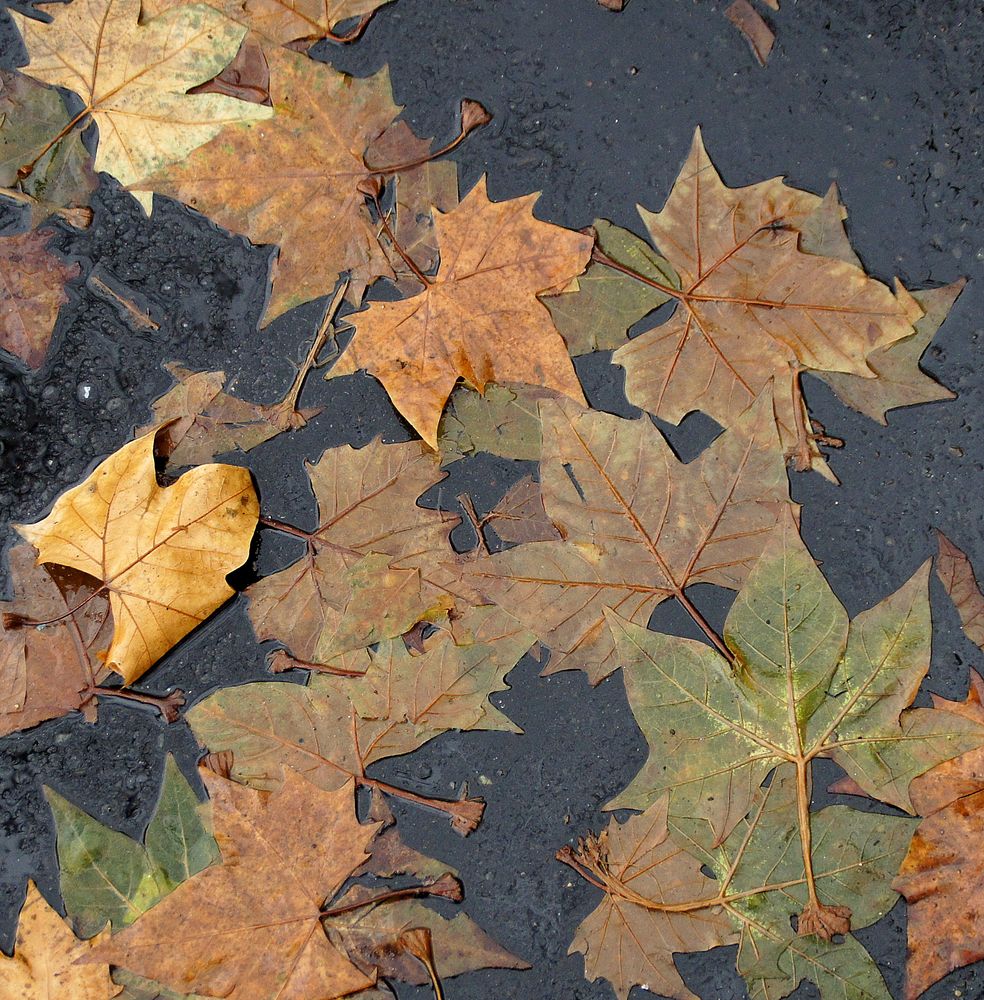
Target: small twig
[466,502]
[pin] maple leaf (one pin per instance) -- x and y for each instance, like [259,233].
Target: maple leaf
[265,923]
[287,22]
[479,318]
[46,952]
[639,527]
[108,878]
[323,140]
[333,729]
[958,579]
[752,305]
[374,551]
[503,420]
[133,80]
[62,180]
[32,290]
[520,515]
[161,553]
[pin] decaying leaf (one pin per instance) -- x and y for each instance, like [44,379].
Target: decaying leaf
[503,421]
[521,517]
[44,966]
[268,181]
[751,306]
[30,114]
[639,527]
[373,546]
[265,923]
[803,682]
[479,319]
[107,878]
[133,79]
[334,728]
[161,553]
[286,22]
[958,579]
[32,290]
[754,29]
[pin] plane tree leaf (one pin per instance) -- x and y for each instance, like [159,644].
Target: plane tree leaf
[958,579]
[285,22]
[266,921]
[479,318]
[30,113]
[639,527]
[161,553]
[133,79]
[751,306]
[503,420]
[372,566]
[268,181]
[332,729]
[32,290]
[46,953]
[596,312]
[108,878]
[520,515]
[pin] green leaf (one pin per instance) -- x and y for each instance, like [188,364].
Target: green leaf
[108,878]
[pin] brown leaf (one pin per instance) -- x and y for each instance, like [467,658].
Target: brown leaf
[49,672]
[367,510]
[283,22]
[32,290]
[942,876]
[750,23]
[957,576]
[269,180]
[520,515]
[479,319]
[752,306]
[162,554]
[247,77]
[46,951]
[639,527]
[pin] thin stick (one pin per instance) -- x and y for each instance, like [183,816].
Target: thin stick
[140,318]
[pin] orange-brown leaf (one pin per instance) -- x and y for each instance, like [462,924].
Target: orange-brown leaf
[958,579]
[479,319]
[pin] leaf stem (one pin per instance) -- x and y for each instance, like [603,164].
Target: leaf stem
[465,813]
[168,705]
[285,528]
[417,941]
[27,169]
[373,192]
[446,886]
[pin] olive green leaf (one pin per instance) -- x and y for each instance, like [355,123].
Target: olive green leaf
[108,878]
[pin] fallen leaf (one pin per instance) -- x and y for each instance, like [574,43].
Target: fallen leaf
[334,728]
[44,966]
[503,421]
[246,78]
[752,25]
[265,923]
[133,79]
[597,310]
[958,579]
[162,553]
[30,114]
[286,22]
[639,527]
[32,290]
[752,306]
[267,181]
[373,542]
[107,878]
[479,319]
[717,727]
[521,517]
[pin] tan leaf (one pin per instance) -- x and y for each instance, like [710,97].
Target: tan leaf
[133,78]
[45,952]
[282,22]
[32,290]
[752,306]
[639,526]
[163,554]
[367,506]
[521,517]
[479,319]
[268,181]
[958,579]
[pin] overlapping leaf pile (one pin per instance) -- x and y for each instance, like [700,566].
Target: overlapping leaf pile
[277,885]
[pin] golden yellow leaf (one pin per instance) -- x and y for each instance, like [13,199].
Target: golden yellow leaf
[479,318]
[162,553]
[43,964]
[133,78]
